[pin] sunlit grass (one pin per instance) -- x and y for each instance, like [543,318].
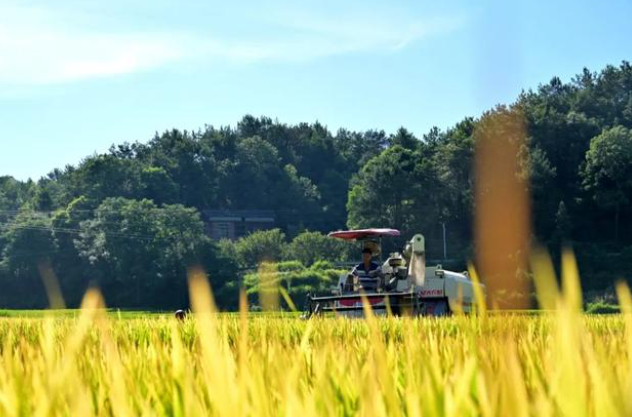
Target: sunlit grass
[74,313]
[557,363]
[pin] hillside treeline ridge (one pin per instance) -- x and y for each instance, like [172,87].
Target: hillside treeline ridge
[129,222]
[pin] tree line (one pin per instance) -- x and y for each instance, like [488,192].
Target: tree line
[128,220]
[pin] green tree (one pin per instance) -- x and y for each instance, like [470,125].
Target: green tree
[383,193]
[189,164]
[13,193]
[157,185]
[356,148]
[103,176]
[141,252]
[405,139]
[447,164]
[294,278]
[311,247]
[608,170]
[254,172]
[541,177]
[43,199]
[26,243]
[260,246]
[73,280]
[563,223]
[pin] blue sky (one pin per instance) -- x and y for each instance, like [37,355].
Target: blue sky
[77,76]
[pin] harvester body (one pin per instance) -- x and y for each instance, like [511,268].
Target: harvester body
[403,285]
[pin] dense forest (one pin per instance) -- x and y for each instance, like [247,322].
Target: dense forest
[129,221]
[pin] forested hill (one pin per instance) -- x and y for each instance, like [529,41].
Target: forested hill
[129,220]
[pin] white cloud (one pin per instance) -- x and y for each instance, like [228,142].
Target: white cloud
[37,49]
[38,46]
[306,36]
[382,31]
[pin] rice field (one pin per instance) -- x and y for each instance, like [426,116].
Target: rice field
[558,363]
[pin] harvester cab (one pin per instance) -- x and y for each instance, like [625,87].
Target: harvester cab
[402,285]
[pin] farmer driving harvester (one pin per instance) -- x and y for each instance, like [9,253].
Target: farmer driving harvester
[366,274]
[367,265]
[403,284]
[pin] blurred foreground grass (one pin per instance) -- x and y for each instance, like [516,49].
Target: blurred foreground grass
[562,362]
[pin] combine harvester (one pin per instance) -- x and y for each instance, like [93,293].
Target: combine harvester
[403,285]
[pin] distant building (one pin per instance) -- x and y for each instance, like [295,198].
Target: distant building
[233,224]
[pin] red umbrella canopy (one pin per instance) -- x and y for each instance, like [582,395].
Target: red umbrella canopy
[363,233]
